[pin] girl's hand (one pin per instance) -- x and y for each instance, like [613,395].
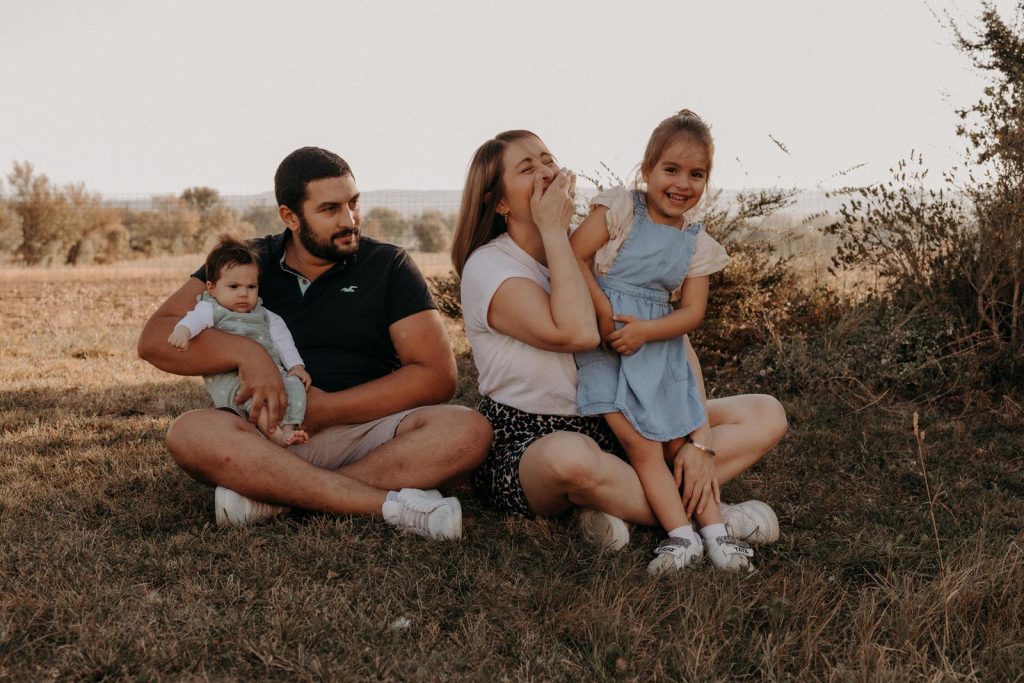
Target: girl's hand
[179,338]
[552,208]
[695,470]
[300,372]
[630,337]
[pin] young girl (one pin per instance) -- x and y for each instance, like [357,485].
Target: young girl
[638,254]
[231,303]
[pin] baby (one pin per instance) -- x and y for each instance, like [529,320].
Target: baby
[231,303]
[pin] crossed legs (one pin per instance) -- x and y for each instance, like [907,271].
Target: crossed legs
[564,469]
[432,446]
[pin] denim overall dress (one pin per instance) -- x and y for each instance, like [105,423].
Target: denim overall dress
[253,325]
[655,388]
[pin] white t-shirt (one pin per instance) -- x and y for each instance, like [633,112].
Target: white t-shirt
[512,372]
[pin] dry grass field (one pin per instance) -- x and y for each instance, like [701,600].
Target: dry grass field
[111,567]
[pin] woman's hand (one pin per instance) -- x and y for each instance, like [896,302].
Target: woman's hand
[552,208]
[695,470]
[630,337]
[605,326]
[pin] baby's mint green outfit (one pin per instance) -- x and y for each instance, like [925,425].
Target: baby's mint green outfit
[225,385]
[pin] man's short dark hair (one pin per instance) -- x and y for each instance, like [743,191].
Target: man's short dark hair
[229,252]
[300,168]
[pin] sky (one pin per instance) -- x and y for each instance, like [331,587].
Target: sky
[140,97]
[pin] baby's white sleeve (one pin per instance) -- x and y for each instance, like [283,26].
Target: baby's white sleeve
[283,341]
[198,319]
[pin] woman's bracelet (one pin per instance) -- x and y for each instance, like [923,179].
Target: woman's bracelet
[701,446]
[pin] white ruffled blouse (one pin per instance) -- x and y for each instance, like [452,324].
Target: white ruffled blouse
[708,255]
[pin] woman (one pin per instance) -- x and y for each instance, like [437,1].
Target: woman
[527,309]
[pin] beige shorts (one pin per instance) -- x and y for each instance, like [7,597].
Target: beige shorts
[343,445]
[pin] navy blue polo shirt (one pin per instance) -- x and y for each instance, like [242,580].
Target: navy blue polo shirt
[340,324]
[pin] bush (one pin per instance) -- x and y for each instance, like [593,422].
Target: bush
[386,224]
[432,231]
[447,294]
[871,349]
[994,127]
[215,218]
[759,297]
[915,238]
[10,229]
[959,259]
[264,219]
[63,225]
[173,228]
[44,215]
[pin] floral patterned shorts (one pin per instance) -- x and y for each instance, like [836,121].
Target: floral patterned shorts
[496,481]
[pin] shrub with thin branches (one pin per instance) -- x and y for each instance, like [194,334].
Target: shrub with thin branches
[952,256]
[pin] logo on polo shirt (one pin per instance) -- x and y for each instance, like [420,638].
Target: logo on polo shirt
[349,289]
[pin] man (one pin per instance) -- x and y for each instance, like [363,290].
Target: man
[373,341]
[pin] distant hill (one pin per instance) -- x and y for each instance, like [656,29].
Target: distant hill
[409,202]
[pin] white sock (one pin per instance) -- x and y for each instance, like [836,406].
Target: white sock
[388,513]
[713,531]
[686,532]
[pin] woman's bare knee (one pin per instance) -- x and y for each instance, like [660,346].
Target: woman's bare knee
[772,421]
[574,461]
[556,467]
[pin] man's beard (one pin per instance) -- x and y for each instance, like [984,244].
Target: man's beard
[327,250]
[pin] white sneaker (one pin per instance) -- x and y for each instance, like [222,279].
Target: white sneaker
[234,509]
[725,552]
[604,530]
[753,522]
[424,513]
[674,554]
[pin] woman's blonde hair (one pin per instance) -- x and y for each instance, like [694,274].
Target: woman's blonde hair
[479,221]
[684,122]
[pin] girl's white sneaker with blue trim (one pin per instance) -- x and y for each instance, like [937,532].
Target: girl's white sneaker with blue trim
[728,554]
[675,554]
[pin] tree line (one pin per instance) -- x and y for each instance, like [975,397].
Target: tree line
[44,224]
[428,231]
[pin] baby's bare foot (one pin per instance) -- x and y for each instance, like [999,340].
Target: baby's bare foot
[286,435]
[294,435]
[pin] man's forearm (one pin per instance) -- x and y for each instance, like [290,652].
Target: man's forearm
[411,386]
[208,353]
